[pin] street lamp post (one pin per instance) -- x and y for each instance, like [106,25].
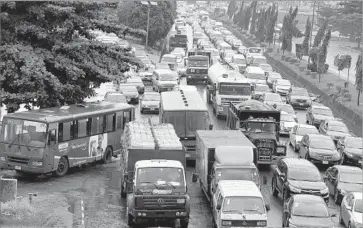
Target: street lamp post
[148,4]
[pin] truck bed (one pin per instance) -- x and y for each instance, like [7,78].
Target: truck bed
[215,138]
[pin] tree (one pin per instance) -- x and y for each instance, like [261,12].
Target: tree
[162,17]
[238,18]
[327,12]
[260,33]
[48,55]
[359,76]
[232,6]
[289,30]
[254,17]
[271,23]
[307,34]
[247,18]
[320,34]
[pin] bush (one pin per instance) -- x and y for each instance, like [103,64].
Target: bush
[347,96]
[330,85]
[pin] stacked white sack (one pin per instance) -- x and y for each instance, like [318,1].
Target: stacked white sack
[138,135]
[166,138]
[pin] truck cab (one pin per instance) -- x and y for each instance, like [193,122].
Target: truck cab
[239,203]
[158,191]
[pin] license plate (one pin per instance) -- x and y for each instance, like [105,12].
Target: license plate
[301,104]
[360,162]
[325,162]
[152,109]
[17,167]
[220,109]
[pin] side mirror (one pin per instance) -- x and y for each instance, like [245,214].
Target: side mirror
[219,206]
[334,215]
[264,180]
[210,126]
[194,178]
[268,208]
[52,137]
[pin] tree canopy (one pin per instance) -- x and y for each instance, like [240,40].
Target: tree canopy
[49,56]
[289,29]
[162,16]
[359,76]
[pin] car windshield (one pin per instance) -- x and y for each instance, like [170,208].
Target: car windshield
[286,108]
[250,174]
[151,97]
[322,143]
[262,88]
[169,59]
[234,89]
[354,143]
[116,98]
[23,133]
[283,82]
[322,111]
[197,63]
[358,207]
[240,61]
[300,92]
[274,76]
[255,50]
[256,76]
[305,130]
[338,127]
[273,97]
[259,127]
[128,88]
[351,177]
[243,204]
[310,209]
[229,54]
[160,176]
[167,77]
[304,174]
[287,118]
[266,68]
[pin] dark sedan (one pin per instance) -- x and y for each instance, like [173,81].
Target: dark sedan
[306,211]
[342,179]
[336,129]
[318,113]
[351,150]
[299,98]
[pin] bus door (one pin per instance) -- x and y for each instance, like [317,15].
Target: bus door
[52,147]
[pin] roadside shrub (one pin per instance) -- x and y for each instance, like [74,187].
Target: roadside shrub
[330,85]
[347,96]
[19,211]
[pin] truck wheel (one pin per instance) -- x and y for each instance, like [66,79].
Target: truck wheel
[107,157]
[184,222]
[62,168]
[275,192]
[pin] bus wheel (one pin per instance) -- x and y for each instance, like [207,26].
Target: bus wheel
[63,167]
[107,157]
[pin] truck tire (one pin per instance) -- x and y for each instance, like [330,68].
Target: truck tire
[107,157]
[184,222]
[63,167]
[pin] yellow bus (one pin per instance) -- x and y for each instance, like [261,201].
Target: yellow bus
[52,140]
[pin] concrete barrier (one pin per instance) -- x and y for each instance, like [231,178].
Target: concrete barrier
[8,189]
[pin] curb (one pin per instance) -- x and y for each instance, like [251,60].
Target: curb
[350,117]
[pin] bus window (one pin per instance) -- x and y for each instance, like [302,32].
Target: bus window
[89,127]
[101,124]
[110,122]
[74,130]
[64,131]
[94,128]
[127,117]
[119,120]
[82,127]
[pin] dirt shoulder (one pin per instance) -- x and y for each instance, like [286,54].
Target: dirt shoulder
[343,104]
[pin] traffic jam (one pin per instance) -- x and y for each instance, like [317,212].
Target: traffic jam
[211,115]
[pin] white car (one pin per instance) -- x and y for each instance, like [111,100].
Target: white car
[351,210]
[150,102]
[282,86]
[287,122]
[297,133]
[179,50]
[271,99]
[130,92]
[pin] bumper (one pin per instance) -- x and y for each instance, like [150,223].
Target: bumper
[282,92]
[194,78]
[324,162]
[325,196]
[160,214]
[300,105]
[134,100]
[354,160]
[24,168]
[164,89]
[285,131]
[150,110]
[270,160]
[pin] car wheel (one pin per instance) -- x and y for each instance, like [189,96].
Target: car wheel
[62,168]
[349,225]
[340,218]
[336,198]
[307,157]
[275,192]
[142,111]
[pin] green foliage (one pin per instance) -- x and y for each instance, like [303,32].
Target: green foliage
[247,18]
[260,33]
[307,34]
[289,29]
[359,73]
[47,57]
[327,11]
[320,34]
[254,17]
[271,23]
[238,17]
[232,7]
[162,16]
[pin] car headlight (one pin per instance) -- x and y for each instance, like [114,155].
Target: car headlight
[261,223]
[37,163]
[343,192]
[349,155]
[226,223]
[180,200]
[294,189]
[324,191]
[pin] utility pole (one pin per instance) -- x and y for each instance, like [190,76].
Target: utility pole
[148,4]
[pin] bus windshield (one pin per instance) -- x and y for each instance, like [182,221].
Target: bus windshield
[234,89]
[198,63]
[23,133]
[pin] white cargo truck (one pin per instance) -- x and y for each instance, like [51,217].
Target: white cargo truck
[153,174]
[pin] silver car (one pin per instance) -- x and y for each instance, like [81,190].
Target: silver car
[150,102]
[130,92]
[351,210]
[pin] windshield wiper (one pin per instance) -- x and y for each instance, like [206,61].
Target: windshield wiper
[149,182]
[168,183]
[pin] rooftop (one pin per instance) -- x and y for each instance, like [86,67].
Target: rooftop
[158,163]
[182,100]
[307,198]
[348,168]
[239,188]
[296,162]
[217,138]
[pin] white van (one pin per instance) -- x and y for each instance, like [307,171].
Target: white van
[239,203]
[255,74]
[258,59]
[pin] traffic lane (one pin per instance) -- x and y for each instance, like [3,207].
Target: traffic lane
[275,214]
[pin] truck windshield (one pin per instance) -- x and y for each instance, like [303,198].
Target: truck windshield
[160,176]
[257,76]
[23,133]
[250,174]
[240,61]
[243,204]
[234,89]
[258,127]
[198,63]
